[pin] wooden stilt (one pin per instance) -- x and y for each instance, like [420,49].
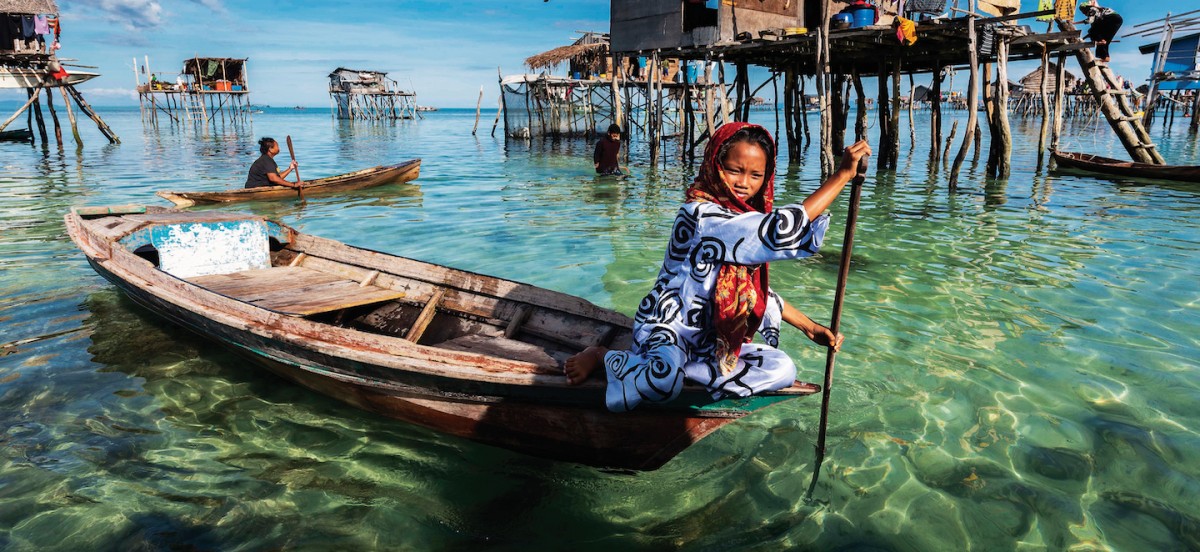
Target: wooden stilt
[801,112]
[860,98]
[36,109]
[949,142]
[789,114]
[18,112]
[823,95]
[972,102]
[935,116]
[837,113]
[882,111]
[1003,130]
[1043,92]
[54,116]
[87,110]
[912,125]
[478,106]
[71,117]
[894,125]
[1059,104]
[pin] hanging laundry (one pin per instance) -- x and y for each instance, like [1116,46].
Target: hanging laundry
[54,25]
[210,68]
[906,30]
[27,26]
[40,26]
[1044,5]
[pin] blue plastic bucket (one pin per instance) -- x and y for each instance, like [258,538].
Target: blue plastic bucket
[841,20]
[863,17]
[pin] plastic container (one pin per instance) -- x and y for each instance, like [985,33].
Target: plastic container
[222,85]
[237,88]
[577,75]
[841,21]
[863,16]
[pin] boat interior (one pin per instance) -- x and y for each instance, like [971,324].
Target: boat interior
[259,262]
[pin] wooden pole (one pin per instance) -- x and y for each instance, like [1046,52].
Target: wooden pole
[54,116]
[1043,91]
[1059,93]
[71,117]
[885,118]
[935,116]
[894,127]
[87,110]
[823,93]
[860,123]
[1004,131]
[16,114]
[837,113]
[478,106]
[838,299]
[789,114]
[972,102]
[36,109]
[912,125]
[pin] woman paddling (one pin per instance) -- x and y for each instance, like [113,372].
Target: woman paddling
[712,292]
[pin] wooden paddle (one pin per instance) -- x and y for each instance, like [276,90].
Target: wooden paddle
[839,295]
[299,188]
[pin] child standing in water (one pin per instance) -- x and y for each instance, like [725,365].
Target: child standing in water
[712,292]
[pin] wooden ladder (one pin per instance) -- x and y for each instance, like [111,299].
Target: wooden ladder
[193,107]
[1114,103]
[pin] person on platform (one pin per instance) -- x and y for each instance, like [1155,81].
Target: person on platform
[264,171]
[712,294]
[1104,24]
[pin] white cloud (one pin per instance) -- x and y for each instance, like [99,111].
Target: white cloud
[109,93]
[131,14]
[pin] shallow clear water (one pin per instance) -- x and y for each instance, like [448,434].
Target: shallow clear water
[1020,370]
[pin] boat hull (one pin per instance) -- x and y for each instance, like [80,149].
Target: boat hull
[22,77]
[367,178]
[1116,167]
[535,413]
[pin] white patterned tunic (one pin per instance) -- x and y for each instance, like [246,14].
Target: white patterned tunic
[673,331]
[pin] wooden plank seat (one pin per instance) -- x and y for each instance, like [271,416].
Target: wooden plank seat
[295,290]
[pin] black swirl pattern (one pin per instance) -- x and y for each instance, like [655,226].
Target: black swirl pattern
[705,256]
[617,363]
[698,313]
[682,233]
[784,229]
[661,336]
[770,336]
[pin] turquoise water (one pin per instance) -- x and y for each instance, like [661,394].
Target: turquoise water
[1020,369]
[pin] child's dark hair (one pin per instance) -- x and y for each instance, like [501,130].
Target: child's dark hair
[751,134]
[614,129]
[265,144]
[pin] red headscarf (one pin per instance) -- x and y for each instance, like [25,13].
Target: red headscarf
[740,296]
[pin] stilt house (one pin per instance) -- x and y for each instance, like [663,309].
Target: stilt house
[369,95]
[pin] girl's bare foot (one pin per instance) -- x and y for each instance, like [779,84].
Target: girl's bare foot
[580,366]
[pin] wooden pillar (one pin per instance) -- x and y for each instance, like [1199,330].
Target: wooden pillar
[23,108]
[894,126]
[826,143]
[1194,125]
[708,98]
[1043,93]
[972,102]
[935,115]
[801,112]
[789,115]
[882,105]
[912,125]
[71,118]
[54,116]
[837,113]
[36,109]
[1003,147]
[87,110]
[860,98]
[1059,104]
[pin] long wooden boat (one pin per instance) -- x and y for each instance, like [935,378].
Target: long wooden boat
[366,178]
[466,354]
[1106,165]
[16,135]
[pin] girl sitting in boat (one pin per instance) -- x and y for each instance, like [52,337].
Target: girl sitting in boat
[712,292]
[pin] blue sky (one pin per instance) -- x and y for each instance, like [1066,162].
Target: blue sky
[443,50]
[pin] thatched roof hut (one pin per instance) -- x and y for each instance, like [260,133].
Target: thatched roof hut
[28,7]
[589,54]
[1033,81]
